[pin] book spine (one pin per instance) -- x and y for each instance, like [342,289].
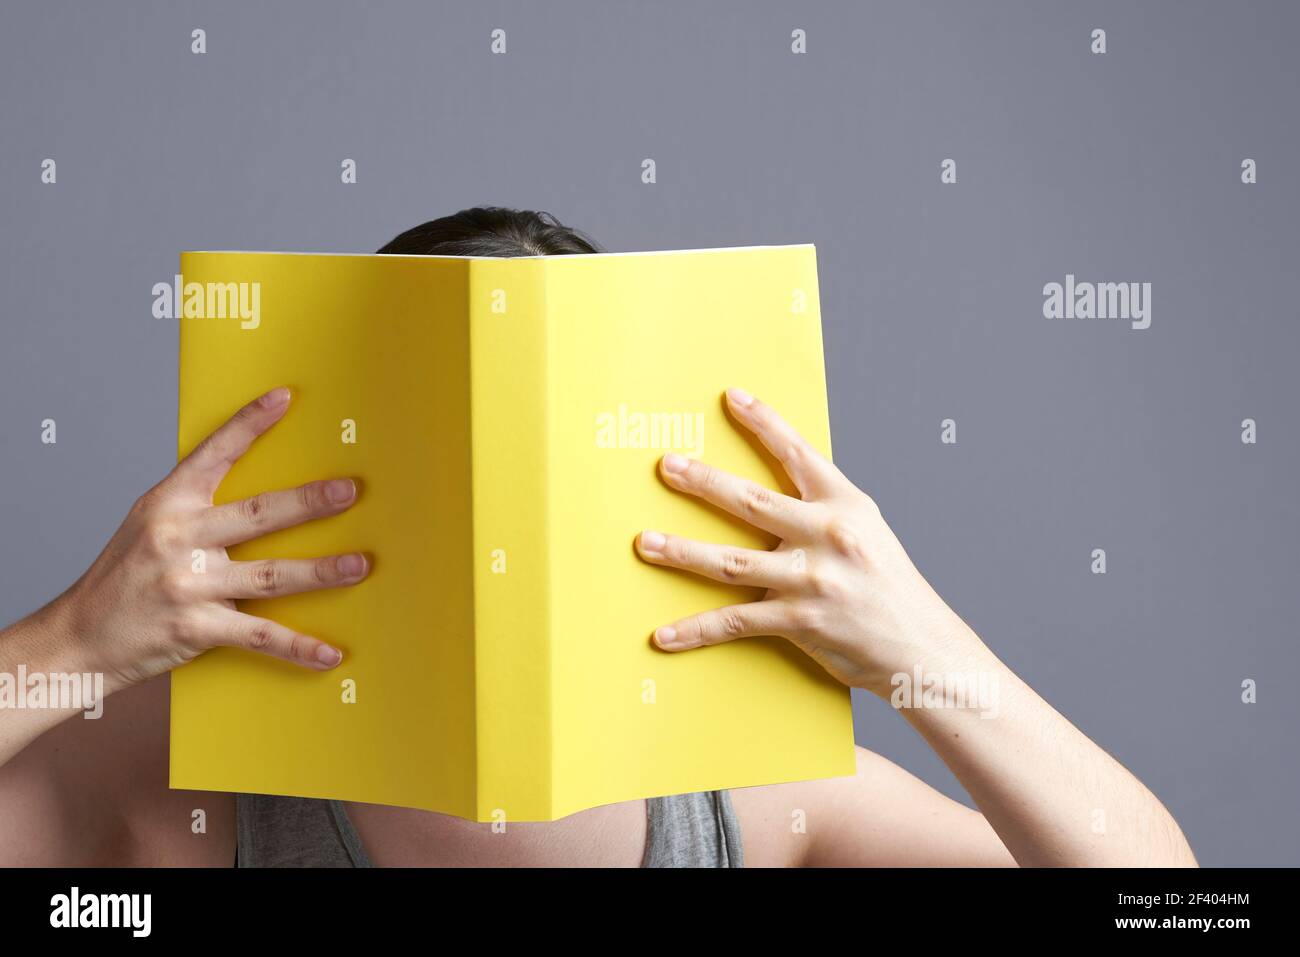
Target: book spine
[511,539]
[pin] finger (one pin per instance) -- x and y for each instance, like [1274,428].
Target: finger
[762,507]
[204,468]
[722,624]
[273,577]
[268,512]
[734,566]
[234,629]
[810,471]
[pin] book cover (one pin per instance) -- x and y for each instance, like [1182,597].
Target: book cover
[504,419]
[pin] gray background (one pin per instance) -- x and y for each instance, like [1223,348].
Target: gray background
[1071,435]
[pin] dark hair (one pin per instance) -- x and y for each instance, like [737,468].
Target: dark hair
[491,231]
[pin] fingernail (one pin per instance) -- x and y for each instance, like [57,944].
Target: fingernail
[350,566]
[328,656]
[675,463]
[652,542]
[338,491]
[740,397]
[275,398]
[665,635]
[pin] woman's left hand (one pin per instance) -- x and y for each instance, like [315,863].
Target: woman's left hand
[839,584]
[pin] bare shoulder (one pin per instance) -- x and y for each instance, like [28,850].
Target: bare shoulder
[881,816]
[94,793]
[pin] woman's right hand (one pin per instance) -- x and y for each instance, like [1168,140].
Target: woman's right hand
[142,609]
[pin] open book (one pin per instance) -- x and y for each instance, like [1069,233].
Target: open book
[504,419]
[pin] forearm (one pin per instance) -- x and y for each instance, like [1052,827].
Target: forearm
[1053,796]
[35,655]
[842,588]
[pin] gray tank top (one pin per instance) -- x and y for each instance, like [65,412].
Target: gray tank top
[684,830]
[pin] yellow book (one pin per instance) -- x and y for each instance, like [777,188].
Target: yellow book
[504,419]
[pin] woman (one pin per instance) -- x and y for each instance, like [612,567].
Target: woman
[94,792]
